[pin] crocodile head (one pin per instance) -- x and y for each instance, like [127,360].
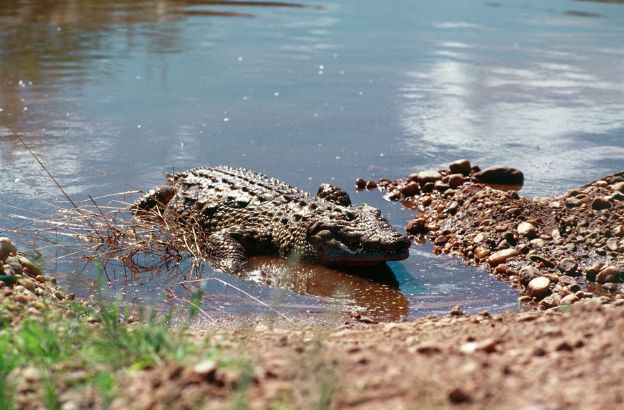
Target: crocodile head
[356,236]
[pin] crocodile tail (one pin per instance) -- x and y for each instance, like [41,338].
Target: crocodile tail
[156,198]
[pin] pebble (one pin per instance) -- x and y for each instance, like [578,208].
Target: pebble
[261,328]
[611,287]
[486,345]
[360,183]
[482,253]
[205,367]
[610,274]
[461,166]
[539,287]
[23,298]
[538,243]
[428,187]
[371,185]
[428,176]
[428,349]
[13,262]
[499,174]
[28,284]
[612,244]
[455,180]
[27,263]
[550,301]
[567,265]
[574,201]
[410,189]
[569,299]
[526,229]
[618,187]
[501,256]
[7,248]
[416,226]
[458,396]
[600,203]
[441,186]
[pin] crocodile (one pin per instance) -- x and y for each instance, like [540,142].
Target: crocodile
[244,213]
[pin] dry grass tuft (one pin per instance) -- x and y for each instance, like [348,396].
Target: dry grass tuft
[150,241]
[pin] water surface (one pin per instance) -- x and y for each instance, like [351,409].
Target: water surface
[113,94]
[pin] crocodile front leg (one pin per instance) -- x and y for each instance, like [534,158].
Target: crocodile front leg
[224,252]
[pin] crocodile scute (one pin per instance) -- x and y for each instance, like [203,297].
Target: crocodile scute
[244,213]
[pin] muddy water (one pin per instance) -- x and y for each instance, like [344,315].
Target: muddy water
[112,94]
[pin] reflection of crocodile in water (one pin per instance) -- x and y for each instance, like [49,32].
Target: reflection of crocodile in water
[245,213]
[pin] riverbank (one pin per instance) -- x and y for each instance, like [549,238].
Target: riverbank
[564,253]
[557,250]
[62,354]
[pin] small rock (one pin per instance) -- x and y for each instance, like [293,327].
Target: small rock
[593,271]
[567,265]
[416,226]
[428,176]
[453,207]
[371,185]
[360,183]
[456,311]
[455,180]
[501,256]
[23,298]
[537,243]
[600,203]
[410,189]
[611,287]
[260,328]
[205,367]
[550,301]
[366,319]
[546,262]
[482,252]
[610,274]
[618,187]
[500,175]
[486,345]
[441,186]
[575,201]
[428,187]
[27,263]
[461,166]
[458,396]
[569,299]
[568,281]
[618,231]
[612,244]
[527,229]
[7,248]
[13,262]
[28,284]
[539,287]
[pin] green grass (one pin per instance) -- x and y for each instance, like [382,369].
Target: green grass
[102,349]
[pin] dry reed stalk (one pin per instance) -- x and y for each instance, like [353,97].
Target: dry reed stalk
[152,241]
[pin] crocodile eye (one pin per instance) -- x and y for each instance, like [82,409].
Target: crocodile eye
[284,221]
[351,215]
